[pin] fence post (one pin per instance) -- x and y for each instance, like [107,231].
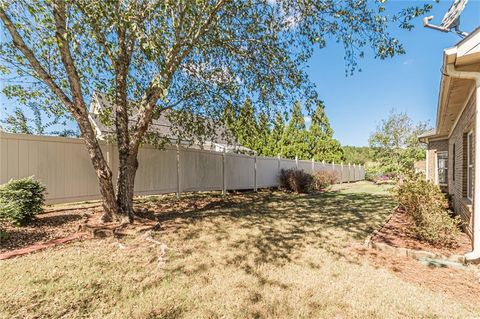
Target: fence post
[333,166]
[349,172]
[324,168]
[255,173]
[178,171]
[341,170]
[224,182]
[354,173]
[296,161]
[313,165]
[279,169]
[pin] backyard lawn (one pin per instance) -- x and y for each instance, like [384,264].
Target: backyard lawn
[264,255]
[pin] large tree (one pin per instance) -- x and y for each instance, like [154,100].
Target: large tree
[322,144]
[245,127]
[186,55]
[295,138]
[274,147]
[395,142]
[263,134]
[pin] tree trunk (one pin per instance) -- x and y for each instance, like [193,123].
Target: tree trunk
[125,185]
[103,172]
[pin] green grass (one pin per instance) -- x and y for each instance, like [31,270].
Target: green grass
[264,255]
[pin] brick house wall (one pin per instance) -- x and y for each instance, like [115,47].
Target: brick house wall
[433,148]
[457,179]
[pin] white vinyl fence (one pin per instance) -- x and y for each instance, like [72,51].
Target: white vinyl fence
[64,166]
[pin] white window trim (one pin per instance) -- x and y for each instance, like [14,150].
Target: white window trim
[436,166]
[427,159]
[469,165]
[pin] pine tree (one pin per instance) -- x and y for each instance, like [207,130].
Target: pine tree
[275,138]
[246,127]
[263,136]
[322,144]
[230,116]
[295,137]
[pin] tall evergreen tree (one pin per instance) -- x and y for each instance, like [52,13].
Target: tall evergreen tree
[295,137]
[230,116]
[246,128]
[275,138]
[263,136]
[322,144]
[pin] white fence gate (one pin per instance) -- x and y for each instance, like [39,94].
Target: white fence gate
[64,166]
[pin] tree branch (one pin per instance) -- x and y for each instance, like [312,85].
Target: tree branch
[20,44]
[59,13]
[161,82]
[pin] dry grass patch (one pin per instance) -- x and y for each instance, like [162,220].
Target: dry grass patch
[265,255]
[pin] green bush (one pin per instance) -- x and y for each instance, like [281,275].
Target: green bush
[295,180]
[428,208]
[21,200]
[323,179]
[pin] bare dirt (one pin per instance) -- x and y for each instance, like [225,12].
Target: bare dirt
[461,284]
[45,227]
[397,233]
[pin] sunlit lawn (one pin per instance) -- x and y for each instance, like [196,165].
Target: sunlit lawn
[270,254]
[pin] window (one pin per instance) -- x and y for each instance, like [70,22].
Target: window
[470,165]
[442,165]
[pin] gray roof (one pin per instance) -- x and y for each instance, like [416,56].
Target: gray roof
[428,133]
[161,126]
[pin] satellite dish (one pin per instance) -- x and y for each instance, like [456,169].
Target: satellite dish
[451,19]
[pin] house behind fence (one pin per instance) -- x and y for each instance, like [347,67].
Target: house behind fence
[64,166]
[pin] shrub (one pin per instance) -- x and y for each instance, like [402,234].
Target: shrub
[323,179]
[428,208]
[21,200]
[295,180]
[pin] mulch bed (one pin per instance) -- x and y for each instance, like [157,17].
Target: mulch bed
[45,227]
[462,285]
[60,222]
[397,233]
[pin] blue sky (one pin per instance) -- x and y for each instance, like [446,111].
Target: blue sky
[408,83]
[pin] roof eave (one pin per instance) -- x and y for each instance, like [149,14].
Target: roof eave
[449,57]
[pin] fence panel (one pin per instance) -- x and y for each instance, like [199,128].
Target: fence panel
[157,171]
[267,172]
[239,171]
[200,170]
[61,164]
[287,164]
[305,165]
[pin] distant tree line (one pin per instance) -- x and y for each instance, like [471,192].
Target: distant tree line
[288,138]
[358,154]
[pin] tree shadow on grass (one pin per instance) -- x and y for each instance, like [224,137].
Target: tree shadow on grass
[272,227]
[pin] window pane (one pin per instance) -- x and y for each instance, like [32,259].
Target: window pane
[442,163]
[470,182]
[442,176]
[470,148]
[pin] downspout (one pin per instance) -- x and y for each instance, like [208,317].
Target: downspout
[451,71]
